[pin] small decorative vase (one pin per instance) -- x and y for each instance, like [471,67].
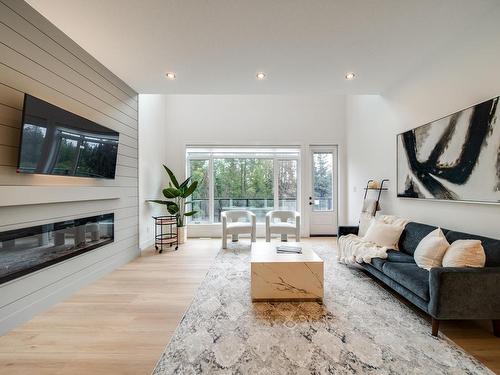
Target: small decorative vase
[182,233]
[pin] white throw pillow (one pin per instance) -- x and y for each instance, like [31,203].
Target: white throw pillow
[383,234]
[364,223]
[431,249]
[394,220]
[465,253]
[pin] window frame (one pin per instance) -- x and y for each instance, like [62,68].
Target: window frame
[220,152]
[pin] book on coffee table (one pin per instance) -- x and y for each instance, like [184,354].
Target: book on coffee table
[289,249]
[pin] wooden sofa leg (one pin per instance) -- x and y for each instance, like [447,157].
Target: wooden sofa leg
[496,327]
[435,327]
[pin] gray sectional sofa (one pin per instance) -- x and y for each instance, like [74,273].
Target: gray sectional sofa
[444,293]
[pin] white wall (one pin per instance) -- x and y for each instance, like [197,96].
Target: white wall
[153,144]
[371,151]
[458,75]
[462,74]
[248,120]
[38,59]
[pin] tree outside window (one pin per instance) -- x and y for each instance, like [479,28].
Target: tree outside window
[323,181]
[199,171]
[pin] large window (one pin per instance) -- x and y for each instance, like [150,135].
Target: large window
[258,180]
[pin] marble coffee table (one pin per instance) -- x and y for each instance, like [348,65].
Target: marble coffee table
[285,277]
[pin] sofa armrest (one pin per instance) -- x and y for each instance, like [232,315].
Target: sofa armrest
[464,293]
[224,219]
[252,218]
[297,227]
[344,230]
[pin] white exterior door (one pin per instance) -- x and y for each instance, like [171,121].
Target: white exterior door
[322,200]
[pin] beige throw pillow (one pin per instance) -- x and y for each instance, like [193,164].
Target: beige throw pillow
[394,220]
[364,223]
[465,253]
[431,249]
[383,234]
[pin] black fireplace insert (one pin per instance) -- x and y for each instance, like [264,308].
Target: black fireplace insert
[26,250]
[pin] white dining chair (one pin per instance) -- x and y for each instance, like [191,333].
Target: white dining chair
[283,223]
[232,224]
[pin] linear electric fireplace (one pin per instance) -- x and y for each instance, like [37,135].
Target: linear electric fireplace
[29,249]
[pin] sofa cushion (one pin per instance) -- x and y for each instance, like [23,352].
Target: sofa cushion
[239,227]
[410,276]
[282,225]
[392,256]
[378,263]
[491,246]
[399,257]
[413,234]
[409,295]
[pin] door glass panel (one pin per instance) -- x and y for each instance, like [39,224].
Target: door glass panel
[287,184]
[322,181]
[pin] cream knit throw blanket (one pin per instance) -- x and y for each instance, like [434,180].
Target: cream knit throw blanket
[353,249]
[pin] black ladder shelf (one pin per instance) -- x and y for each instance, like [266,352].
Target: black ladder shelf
[379,189]
[346,229]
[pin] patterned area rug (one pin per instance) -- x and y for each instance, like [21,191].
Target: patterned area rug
[360,329]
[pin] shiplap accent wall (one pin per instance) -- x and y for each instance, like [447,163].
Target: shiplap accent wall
[39,59]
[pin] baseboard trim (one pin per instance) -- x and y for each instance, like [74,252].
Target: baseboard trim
[147,244]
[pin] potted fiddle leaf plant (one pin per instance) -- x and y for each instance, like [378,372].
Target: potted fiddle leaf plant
[176,195]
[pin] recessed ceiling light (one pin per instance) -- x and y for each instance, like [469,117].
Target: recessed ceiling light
[350,76]
[260,76]
[170,75]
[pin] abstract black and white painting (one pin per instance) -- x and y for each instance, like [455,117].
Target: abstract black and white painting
[454,158]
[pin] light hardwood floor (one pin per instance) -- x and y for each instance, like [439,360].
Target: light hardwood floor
[121,323]
[117,325]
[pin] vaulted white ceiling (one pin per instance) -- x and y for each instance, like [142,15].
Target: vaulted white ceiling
[304,46]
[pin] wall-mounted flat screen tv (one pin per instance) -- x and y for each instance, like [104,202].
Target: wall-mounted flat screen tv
[57,142]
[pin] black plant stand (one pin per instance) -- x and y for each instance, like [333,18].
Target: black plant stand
[165,232]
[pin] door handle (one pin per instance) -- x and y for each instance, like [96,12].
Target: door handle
[310,203]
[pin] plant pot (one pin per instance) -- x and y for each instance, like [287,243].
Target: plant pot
[182,233]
